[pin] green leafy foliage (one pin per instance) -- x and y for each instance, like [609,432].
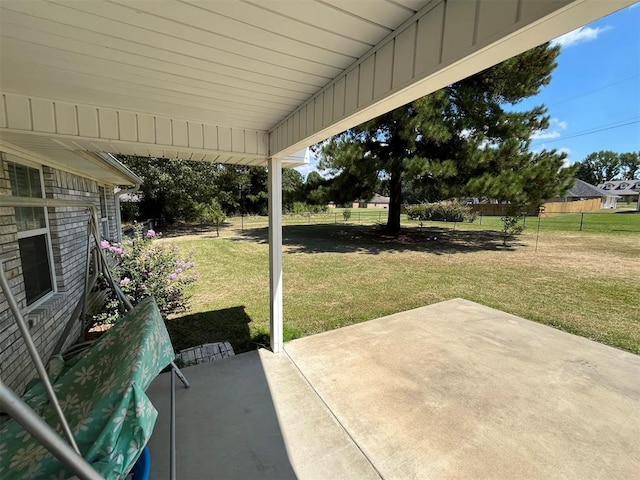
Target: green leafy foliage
[299,208]
[146,268]
[346,214]
[461,140]
[172,189]
[598,167]
[212,214]
[445,211]
[512,221]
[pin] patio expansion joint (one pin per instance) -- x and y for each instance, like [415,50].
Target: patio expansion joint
[335,417]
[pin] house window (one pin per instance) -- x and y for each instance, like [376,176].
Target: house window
[33,233]
[104,218]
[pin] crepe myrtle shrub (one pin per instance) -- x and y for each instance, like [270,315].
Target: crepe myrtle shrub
[144,268]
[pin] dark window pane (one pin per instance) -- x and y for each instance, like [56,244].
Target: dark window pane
[35,186]
[35,267]
[103,203]
[25,181]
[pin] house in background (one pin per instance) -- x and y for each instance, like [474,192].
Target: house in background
[377,201]
[593,197]
[627,190]
[45,249]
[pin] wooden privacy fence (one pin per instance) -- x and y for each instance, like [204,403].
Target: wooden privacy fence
[550,208]
[573,207]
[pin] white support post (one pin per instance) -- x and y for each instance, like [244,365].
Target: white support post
[275,253]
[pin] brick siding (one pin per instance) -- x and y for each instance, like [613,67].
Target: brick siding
[68,233]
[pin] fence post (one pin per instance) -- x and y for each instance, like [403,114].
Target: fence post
[524,219]
[379,217]
[538,233]
[335,218]
[309,219]
[480,218]
[581,220]
[359,220]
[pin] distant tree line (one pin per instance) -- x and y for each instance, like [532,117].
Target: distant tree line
[598,167]
[188,191]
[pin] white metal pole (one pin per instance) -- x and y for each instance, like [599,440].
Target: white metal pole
[35,356]
[275,254]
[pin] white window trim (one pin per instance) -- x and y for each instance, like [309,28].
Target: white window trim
[104,221]
[39,231]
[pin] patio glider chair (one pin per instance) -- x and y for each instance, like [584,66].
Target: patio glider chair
[102,394]
[96,400]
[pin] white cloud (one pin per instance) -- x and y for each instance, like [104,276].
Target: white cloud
[555,124]
[580,35]
[539,135]
[565,150]
[561,124]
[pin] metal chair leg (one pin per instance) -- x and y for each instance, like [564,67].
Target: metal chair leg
[180,375]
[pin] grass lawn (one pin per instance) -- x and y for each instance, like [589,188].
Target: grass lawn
[584,282]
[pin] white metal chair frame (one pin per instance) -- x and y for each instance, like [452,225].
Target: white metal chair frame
[67,452]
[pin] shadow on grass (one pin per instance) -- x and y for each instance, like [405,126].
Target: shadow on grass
[227,324]
[372,240]
[181,229]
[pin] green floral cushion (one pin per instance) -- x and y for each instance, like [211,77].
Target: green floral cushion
[102,395]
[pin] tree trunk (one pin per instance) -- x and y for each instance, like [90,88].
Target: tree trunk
[395,202]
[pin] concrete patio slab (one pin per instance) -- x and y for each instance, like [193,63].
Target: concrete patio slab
[452,390]
[251,416]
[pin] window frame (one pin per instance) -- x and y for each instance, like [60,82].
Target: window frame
[46,231]
[104,221]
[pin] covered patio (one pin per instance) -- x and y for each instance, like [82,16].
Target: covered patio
[256,83]
[239,82]
[451,390]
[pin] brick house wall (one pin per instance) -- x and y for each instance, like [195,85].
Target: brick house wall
[68,235]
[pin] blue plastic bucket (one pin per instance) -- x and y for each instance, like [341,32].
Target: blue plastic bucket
[142,468]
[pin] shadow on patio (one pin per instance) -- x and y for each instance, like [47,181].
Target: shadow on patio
[371,240]
[451,390]
[204,327]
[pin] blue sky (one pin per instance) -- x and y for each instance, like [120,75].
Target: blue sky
[594,96]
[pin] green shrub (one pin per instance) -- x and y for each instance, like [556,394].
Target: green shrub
[299,208]
[211,213]
[346,214]
[511,221]
[147,268]
[446,211]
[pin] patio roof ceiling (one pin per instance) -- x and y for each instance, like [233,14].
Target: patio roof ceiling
[239,82]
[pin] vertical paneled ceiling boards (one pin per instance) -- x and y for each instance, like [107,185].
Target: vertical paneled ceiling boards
[240,81]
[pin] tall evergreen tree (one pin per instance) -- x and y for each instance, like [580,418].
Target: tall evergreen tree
[461,140]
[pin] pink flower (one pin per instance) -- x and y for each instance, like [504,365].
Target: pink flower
[104,244]
[124,282]
[151,233]
[173,276]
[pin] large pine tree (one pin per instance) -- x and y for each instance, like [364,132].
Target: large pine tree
[465,139]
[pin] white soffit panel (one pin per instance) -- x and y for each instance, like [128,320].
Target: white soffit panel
[446,41]
[207,79]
